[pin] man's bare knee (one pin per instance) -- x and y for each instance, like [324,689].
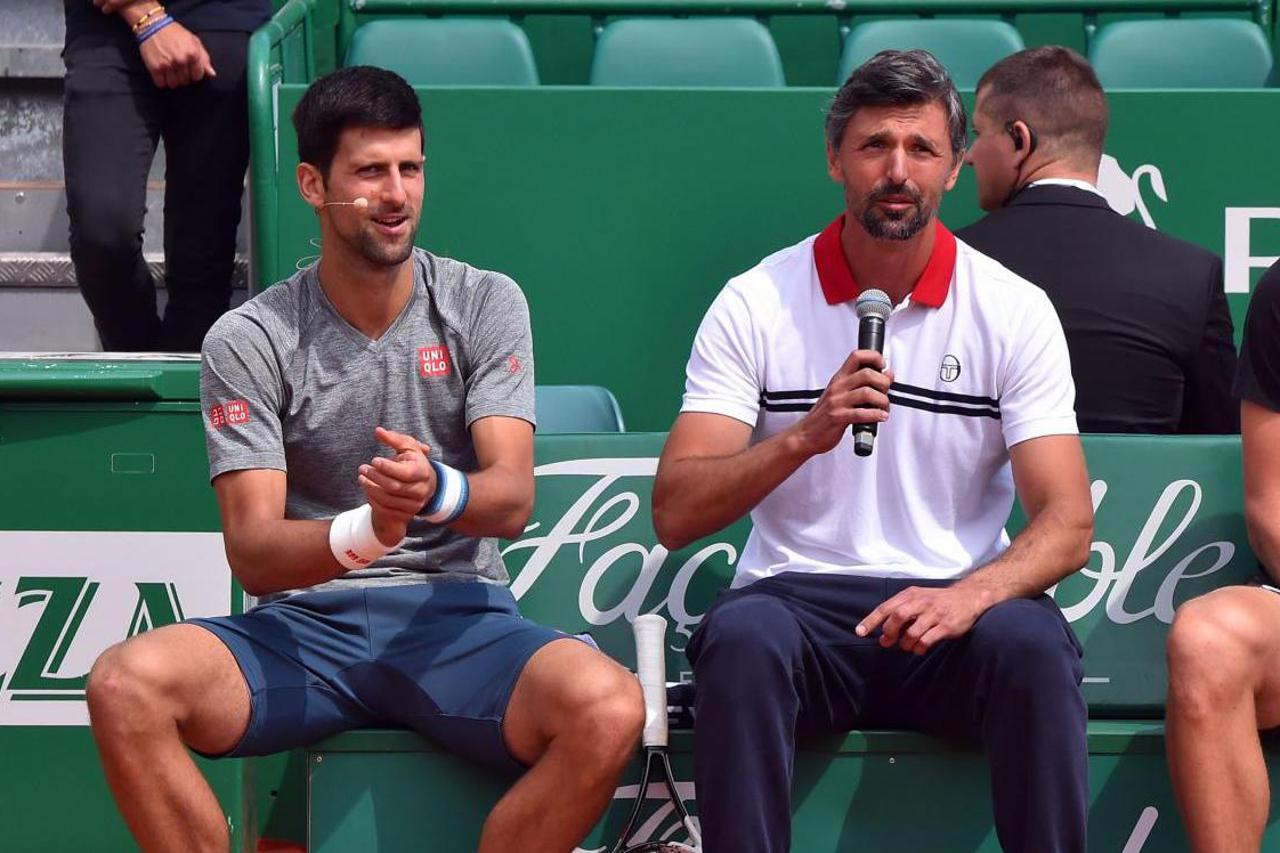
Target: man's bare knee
[179,679]
[604,715]
[1214,650]
[125,691]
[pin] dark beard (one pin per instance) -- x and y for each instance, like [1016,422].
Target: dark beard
[884,226]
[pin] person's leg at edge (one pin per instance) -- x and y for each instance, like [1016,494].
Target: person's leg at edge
[1224,685]
[206,134]
[747,657]
[1013,684]
[574,717]
[149,698]
[110,131]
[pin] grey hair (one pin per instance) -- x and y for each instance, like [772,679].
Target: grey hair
[898,77]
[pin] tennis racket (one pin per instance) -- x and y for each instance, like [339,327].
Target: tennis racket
[651,664]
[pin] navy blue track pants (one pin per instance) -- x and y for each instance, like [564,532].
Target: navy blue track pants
[779,659]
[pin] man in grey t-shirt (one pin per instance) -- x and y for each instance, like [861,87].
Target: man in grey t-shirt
[369,424]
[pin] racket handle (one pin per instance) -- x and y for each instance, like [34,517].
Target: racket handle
[651,665]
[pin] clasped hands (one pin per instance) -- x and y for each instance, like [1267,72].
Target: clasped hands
[397,487]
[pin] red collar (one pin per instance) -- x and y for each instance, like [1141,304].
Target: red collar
[837,279]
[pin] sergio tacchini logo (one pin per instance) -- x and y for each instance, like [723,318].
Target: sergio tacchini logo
[950,370]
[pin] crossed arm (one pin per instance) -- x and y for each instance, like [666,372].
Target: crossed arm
[269,553]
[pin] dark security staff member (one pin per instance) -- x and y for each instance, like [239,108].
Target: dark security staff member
[1145,314]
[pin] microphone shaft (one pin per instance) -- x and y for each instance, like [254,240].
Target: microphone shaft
[870,336]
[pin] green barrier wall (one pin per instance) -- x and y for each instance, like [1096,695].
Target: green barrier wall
[108,528]
[622,212]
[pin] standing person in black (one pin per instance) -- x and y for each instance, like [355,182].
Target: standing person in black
[1145,314]
[139,71]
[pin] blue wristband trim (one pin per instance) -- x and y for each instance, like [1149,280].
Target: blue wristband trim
[433,506]
[462,500]
[450,484]
[152,29]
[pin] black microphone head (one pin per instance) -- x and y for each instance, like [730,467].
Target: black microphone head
[873,303]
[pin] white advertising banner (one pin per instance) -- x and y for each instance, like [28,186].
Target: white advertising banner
[66,596]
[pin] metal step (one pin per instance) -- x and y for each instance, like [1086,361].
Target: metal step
[41,309]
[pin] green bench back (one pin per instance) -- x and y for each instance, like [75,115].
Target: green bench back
[719,51]
[1194,53]
[1169,527]
[966,47]
[447,51]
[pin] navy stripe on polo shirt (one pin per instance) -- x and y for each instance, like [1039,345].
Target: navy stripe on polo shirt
[980,364]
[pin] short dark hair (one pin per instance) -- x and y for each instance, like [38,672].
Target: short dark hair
[897,78]
[359,96]
[1055,91]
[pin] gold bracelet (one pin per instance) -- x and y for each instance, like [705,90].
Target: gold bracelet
[142,22]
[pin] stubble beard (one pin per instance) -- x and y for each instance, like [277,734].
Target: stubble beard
[379,252]
[894,226]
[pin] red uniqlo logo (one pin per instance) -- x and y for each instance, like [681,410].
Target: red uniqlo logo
[237,412]
[231,412]
[433,360]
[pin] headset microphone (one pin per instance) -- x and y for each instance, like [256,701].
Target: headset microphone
[361,202]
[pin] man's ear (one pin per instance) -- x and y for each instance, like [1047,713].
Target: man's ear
[834,169]
[311,185]
[956,166]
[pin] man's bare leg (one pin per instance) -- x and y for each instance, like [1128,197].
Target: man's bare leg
[1224,685]
[575,716]
[147,698]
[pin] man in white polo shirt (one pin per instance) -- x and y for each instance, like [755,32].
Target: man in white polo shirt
[882,590]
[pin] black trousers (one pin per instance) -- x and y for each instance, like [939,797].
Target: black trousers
[113,118]
[779,658]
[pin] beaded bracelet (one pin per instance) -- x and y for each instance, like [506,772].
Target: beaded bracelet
[142,22]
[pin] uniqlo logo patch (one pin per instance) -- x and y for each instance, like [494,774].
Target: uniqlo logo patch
[230,412]
[433,361]
[513,364]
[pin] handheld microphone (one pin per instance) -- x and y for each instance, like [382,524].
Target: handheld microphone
[873,307]
[360,202]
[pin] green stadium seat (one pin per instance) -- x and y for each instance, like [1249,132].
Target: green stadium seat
[1182,53]
[965,47]
[447,51]
[576,408]
[687,52]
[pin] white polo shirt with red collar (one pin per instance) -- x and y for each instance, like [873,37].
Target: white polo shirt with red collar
[980,364]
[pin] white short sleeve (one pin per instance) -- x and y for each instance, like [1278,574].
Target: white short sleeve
[1038,395]
[723,375]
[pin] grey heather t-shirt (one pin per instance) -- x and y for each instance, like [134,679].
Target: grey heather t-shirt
[286,383]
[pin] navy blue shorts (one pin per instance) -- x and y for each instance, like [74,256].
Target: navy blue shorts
[438,658]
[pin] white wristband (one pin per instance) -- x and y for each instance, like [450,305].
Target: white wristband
[352,540]
[450,499]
